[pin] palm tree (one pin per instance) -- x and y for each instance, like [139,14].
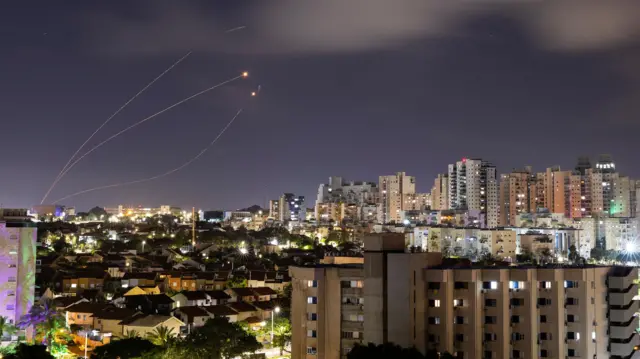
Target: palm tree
[131,334]
[161,335]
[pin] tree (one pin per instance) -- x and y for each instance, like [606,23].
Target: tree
[161,336]
[6,328]
[383,351]
[573,254]
[124,348]
[281,333]
[217,339]
[24,351]
[131,334]
[236,282]
[45,320]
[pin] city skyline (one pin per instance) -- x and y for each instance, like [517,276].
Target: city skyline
[340,103]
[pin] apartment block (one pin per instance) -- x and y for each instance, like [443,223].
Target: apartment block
[18,237]
[585,312]
[440,192]
[473,185]
[394,192]
[327,312]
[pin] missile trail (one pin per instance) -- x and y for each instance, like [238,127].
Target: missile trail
[61,174]
[243,75]
[235,29]
[193,159]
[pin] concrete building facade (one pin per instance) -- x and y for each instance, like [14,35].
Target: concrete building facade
[394,191]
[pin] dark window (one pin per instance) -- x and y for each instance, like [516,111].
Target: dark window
[545,336]
[571,318]
[490,302]
[515,354]
[459,337]
[490,320]
[543,319]
[434,285]
[572,301]
[460,285]
[544,353]
[515,319]
[516,302]
[458,320]
[571,353]
[571,335]
[488,354]
[544,301]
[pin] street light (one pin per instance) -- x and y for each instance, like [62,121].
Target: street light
[277,310]
[143,243]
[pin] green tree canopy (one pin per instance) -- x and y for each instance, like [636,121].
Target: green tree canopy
[124,348]
[24,351]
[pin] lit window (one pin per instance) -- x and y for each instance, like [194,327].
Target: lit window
[436,303]
[312,283]
[73,285]
[494,285]
[312,300]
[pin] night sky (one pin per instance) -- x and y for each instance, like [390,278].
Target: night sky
[358,89]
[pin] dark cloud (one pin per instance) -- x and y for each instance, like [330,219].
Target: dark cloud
[335,26]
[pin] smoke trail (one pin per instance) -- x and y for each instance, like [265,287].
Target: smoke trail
[244,74]
[59,177]
[193,159]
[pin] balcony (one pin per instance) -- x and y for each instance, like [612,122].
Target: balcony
[623,297]
[623,278]
[356,326]
[623,314]
[634,355]
[624,347]
[350,290]
[623,330]
[352,308]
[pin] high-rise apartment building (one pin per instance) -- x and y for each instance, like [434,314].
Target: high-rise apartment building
[471,311]
[18,237]
[473,185]
[340,191]
[394,191]
[274,209]
[327,313]
[583,312]
[440,193]
[417,202]
[291,208]
[516,195]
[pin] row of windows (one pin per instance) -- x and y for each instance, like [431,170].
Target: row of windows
[492,319]
[517,354]
[512,285]
[515,302]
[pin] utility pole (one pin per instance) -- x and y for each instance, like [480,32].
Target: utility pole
[193,227]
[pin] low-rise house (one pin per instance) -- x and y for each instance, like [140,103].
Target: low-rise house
[82,313]
[218,297]
[145,324]
[62,303]
[130,280]
[241,294]
[142,290]
[223,311]
[264,293]
[191,298]
[150,304]
[192,316]
[77,282]
[244,310]
[108,320]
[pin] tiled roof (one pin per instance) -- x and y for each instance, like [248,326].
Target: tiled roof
[195,295]
[264,291]
[220,310]
[267,305]
[193,311]
[113,313]
[241,307]
[151,320]
[243,292]
[218,294]
[86,307]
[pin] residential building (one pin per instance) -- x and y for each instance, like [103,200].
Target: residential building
[340,191]
[18,236]
[417,202]
[394,192]
[532,312]
[108,320]
[473,185]
[291,208]
[274,209]
[147,324]
[515,196]
[440,193]
[327,310]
